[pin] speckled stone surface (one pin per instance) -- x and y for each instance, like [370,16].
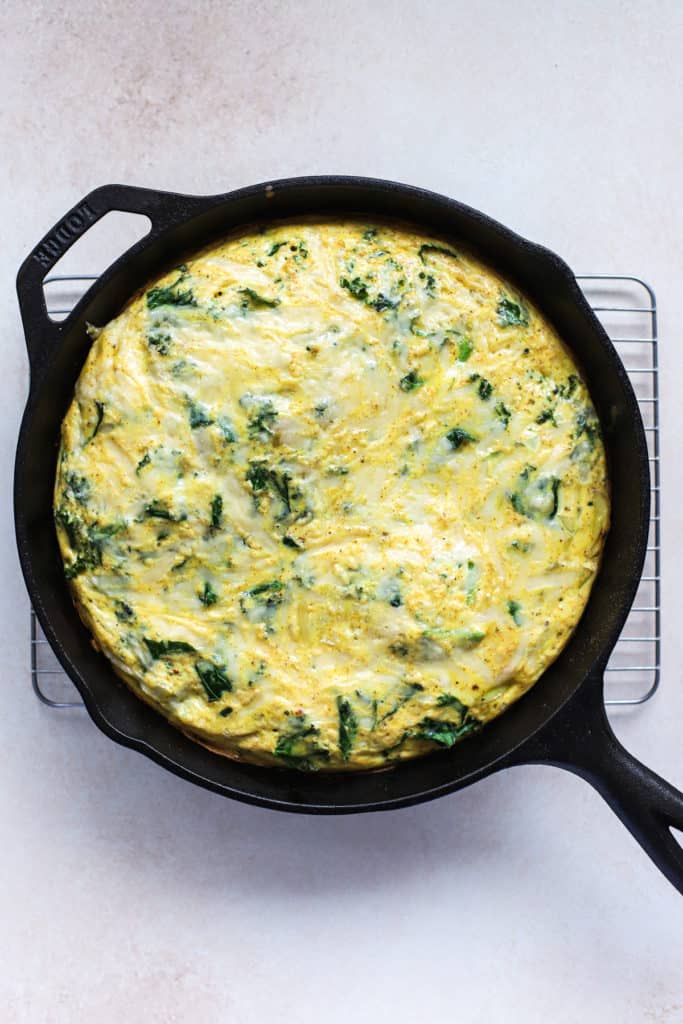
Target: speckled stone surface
[129,895]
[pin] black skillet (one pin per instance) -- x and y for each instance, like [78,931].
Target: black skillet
[561,721]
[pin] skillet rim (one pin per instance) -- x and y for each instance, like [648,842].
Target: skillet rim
[202,205]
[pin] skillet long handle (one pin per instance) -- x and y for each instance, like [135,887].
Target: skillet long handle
[162,208]
[581,740]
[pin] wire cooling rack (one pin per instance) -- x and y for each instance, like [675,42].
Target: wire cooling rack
[627,308]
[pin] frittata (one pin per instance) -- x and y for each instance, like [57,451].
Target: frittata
[330,494]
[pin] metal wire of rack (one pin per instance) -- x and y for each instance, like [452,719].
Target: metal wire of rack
[627,307]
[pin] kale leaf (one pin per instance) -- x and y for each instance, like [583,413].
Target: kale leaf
[536,497]
[503,413]
[87,542]
[262,416]
[300,747]
[263,478]
[207,595]
[158,510]
[449,700]
[511,313]
[458,437]
[445,733]
[214,679]
[358,288]
[411,381]
[199,417]
[424,249]
[465,349]
[290,542]
[163,648]
[216,511]
[275,246]
[348,726]
[587,425]
[484,388]
[77,487]
[252,300]
[99,409]
[160,341]
[514,609]
[171,294]
[546,416]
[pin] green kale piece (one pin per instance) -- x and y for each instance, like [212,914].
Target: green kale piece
[429,282]
[300,748]
[216,511]
[252,300]
[263,478]
[261,602]
[503,413]
[440,249]
[445,733]
[87,542]
[77,487]
[449,700]
[227,430]
[258,476]
[214,679]
[262,416]
[199,416]
[99,411]
[159,340]
[406,693]
[358,288]
[171,294]
[290,542]
[411,381]
[165,648]
[568,389]
[536,497]
[587,426]
[465,349]
[484,388]
[348,726]
[514,609]
[207,595]
[123,611]
[511,313]
[458,437]
[158,510]
[275,246]
[266,588]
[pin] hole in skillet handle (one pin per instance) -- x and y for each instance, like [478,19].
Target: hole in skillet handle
[580,739]
[160,208]
[98,247]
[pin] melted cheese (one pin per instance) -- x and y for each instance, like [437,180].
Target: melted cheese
[330,495]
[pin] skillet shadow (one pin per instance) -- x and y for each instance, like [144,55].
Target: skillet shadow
[502,852]
[136,813]
[141,812]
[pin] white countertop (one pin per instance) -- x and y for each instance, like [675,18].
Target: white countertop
[128,895]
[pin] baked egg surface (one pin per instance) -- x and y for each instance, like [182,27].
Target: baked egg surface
[330,494]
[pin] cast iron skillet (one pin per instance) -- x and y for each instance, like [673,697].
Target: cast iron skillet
[561,721]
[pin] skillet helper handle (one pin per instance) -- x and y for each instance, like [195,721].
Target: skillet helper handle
[41,332]
[582,741]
